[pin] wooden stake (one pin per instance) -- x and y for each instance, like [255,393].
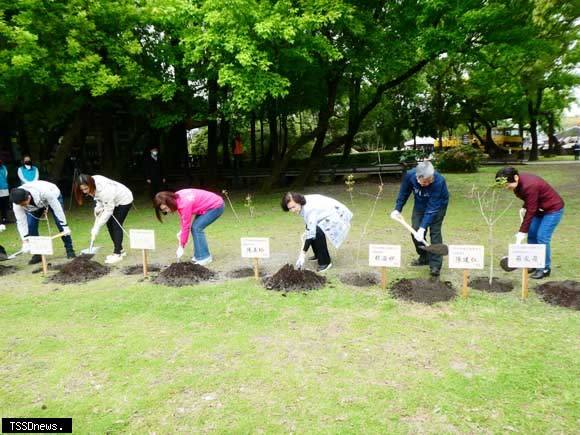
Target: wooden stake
[383,277]
[525,283]
[464,289]
[256,270]
[145,263]
[44,265]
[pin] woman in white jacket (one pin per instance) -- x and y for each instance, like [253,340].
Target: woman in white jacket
[113,201]
[324,217]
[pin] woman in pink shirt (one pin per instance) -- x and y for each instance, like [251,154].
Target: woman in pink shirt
[201,207]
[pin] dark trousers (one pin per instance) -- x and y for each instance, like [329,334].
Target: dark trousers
[114,226]
[319,247]
[4,209]
[33,218]
[434,260]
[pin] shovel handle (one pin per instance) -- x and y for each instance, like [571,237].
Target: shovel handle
[402,221]
[62,233]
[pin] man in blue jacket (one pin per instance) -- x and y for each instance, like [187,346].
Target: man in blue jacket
[431,198]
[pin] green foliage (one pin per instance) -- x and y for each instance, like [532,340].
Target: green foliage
[460,159]
[369,158]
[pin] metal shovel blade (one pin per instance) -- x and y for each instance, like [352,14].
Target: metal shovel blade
[90,252]
[503,263]
[437,249]
[13,256]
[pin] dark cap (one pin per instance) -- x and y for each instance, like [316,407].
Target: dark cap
[18,195]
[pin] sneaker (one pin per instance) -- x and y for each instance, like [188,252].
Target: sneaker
[435,271]
[419,262]
[113,258]
[35,259]
[70,253]
[204,261]
[541,273]
[324,268]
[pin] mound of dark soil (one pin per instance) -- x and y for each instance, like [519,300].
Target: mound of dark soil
[7,270]
[563,293]
[497,285]
[80,269]
[289,279]
[137,269]
[426,291]
[244,272]
[185,273]
[360,279]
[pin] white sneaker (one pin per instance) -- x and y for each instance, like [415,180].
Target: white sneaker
[203,262]
[114,258]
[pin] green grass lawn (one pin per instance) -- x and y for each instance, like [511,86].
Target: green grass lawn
[122,355]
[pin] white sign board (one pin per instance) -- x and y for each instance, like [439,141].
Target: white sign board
[142,239]
[530,256]
[255,247]
[466,256]
[385,255]
[40,245]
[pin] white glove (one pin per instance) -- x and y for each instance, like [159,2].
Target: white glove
[2,228]
[98,211]
[396,215]
[65,230]
[522,213]
[179,252]
[420,235]
[25,247]
[520,237]
[94,232]
[300,261]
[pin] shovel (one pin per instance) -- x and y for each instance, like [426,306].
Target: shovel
[503,263]
[437,249]
[17,253]
[90,251]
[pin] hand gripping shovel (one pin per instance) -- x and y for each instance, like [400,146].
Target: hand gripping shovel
[438,248]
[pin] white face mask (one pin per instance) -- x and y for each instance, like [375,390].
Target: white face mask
[28,166]
[154,153]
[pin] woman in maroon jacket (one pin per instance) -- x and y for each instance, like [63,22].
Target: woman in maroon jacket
[544,210]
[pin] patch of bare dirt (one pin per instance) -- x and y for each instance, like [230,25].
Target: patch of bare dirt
[289,279]
[137,269]
[425,291]
[183,273]
[497,285]
[360,279]
[244,272]
[7,270]
[80,269]
[562,293]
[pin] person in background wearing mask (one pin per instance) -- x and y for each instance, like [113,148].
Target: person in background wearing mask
[154,171]
[30,203]
[27,172]
[4,193]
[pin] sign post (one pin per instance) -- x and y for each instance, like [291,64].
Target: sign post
[144,240]
[255,248]
[466,257]
[383,256]
[526,256]
[41,246]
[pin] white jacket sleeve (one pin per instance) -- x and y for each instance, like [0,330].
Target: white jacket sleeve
[21,221]
[21,177]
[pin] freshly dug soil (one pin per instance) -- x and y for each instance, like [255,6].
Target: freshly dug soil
[562,293]
[426,291]
[7,270]
[288,279]
[244,272]
[497,285]
[137,269]
[185,273]
[80,269]
[360,279]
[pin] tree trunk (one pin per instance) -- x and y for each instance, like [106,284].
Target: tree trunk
[253,137]
[74,135]
[212,132]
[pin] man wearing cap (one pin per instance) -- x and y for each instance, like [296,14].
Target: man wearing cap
[30,202]
[431,198]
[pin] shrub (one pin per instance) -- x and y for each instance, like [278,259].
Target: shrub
[368,158]
[460,159]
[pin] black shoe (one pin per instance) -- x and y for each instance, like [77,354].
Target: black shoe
[324,268]
[419,262]
[313,258]
[541,273]
[35,259]
[532,270]
[70,253]
[435,271]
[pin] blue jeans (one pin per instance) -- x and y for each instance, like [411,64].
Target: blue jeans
[541,230]
[200,248]
[33,217]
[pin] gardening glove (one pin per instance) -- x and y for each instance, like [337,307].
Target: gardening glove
[520,237]
[420,235]
[65,230]
[179,252]
[300,261]
[396,215]
[98,211]
[94,232]
[25,247]
[2,228]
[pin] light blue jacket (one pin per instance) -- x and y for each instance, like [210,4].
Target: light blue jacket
[3,177]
